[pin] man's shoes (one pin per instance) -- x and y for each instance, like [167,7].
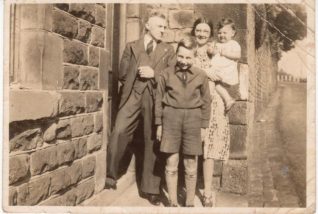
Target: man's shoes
[110,184]
[154,199]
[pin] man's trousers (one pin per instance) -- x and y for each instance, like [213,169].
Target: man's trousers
[138,108]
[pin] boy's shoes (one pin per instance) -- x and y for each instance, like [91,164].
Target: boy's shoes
[154,199]
[110,184]
[207,201]
[229,105]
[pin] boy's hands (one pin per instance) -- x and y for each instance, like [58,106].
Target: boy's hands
[203,133]
[159,132]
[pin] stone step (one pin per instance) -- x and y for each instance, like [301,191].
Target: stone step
[108,196]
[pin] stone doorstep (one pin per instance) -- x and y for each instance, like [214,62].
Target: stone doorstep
[107,197]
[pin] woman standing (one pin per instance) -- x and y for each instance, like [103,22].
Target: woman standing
[217,140]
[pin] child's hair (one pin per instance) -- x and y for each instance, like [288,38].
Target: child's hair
[187,42]
[199,21]
[225,22]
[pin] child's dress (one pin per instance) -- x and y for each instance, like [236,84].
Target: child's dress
[226,68]
[217,140]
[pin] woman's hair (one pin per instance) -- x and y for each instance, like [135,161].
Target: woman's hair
[199,21]
[226,21]
[187,42]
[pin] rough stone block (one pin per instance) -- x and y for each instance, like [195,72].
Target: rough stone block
[71,103]
[234,177]
[181,18]
[85,190]
[169,35]
[75,52]
[50,133]
[18,168]
[41,60]
[84,11]
[103,69]
[100,16]
[64,7]
[84,31]
[13,196]
[36,16]
[33,192]
[26,140]
[59,181]
[100,171]
[82,125]
[98,127]
[22,105]
[238,138]
[94,142]
[64,24]
[89,79]
[238,113]
[182,33]
[133,11]
[74,172]
[80,147]
[94,102]
[133,29]
[63,129]
[67,199]
[43,160]
[71,77]
[93,59]
[65,152]
[89,164]
[98,37]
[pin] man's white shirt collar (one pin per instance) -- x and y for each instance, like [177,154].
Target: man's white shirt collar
[147,39]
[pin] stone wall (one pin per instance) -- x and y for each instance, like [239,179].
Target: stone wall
[58,103]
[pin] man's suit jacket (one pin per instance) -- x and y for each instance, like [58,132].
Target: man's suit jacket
[134,56]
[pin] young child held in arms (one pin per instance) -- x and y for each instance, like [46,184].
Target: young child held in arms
[182,114]
[225,54]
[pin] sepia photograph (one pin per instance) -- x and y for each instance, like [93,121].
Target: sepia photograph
[155,107]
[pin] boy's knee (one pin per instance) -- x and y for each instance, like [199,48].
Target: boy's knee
[171,170]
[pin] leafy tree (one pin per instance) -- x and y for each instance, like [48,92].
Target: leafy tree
[287,24]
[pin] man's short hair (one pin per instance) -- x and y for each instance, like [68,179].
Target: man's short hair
[156,13]
[187,42]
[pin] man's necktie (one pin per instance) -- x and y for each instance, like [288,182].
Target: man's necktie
[149,47]
[184,76]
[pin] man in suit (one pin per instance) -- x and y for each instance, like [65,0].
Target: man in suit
[140,67]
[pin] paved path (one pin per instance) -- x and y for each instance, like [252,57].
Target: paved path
[271,180]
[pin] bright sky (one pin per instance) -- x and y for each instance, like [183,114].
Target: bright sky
[294,61]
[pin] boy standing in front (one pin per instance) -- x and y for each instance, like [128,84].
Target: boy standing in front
[182,113]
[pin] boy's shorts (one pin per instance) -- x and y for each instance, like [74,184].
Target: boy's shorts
[181,127]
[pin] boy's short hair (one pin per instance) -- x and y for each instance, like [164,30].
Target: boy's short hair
[225,22]
[187,42]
